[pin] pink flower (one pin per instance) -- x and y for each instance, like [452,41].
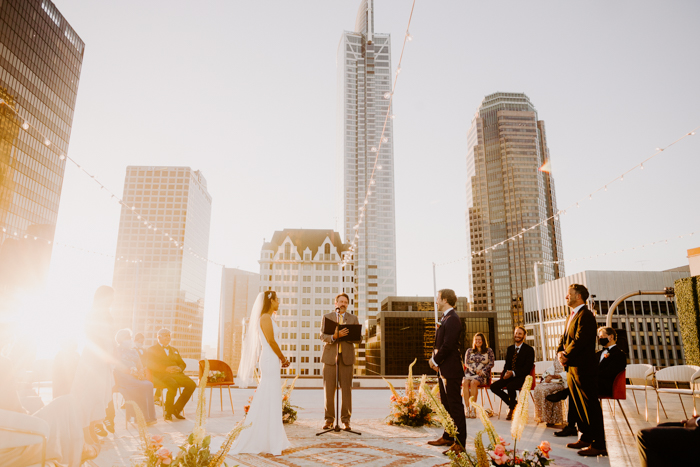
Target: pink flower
[157,439]
[545,448]
[502,441]
[164,455]
[498,460]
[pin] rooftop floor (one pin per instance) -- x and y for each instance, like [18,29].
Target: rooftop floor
[379,444]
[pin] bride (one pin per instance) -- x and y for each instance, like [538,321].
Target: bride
[266,435]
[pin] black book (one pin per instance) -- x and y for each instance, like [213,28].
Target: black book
[354,334]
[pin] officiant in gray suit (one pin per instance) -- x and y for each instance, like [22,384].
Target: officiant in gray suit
[346,362]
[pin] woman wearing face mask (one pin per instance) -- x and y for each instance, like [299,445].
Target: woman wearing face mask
[612,360]
[130,377]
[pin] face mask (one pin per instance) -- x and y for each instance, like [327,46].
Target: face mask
[603,341]
[128,343]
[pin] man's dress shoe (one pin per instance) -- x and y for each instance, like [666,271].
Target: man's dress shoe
[456,448]
[592,452]
[567,431]
[441,442]
[578,445]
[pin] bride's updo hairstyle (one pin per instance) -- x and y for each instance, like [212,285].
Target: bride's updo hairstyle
[267,301]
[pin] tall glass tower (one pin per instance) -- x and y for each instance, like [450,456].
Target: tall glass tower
[40,61]
[364,81]
[157,283]
[509,189]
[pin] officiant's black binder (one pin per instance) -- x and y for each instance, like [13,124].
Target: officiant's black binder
[354,334]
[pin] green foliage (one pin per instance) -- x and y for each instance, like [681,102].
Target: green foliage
[688,301]
[194,455]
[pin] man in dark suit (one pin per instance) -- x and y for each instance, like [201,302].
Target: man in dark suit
[577,353]
[447,361]
[167,368]
[611,361]
[520,358]
[669,444]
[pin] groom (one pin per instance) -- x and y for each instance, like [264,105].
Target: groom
[447,361]
[346,360]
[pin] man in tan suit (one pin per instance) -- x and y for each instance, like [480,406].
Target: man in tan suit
[346,360]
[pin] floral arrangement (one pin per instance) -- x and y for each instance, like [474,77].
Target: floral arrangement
[216,376]
[246,408]
[411,409]
[497,452]
[195,452]
[289,415]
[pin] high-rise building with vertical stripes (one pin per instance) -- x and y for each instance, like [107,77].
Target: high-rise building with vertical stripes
[40,61]
[364,132]
[160,272]
[509,189]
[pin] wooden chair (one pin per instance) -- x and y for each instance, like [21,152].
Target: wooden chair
[484,388]
[498,368]
[641,378]
[218,365]
[689,374]
[619,392]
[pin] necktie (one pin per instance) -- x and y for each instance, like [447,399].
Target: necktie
[340,321]
[515,357]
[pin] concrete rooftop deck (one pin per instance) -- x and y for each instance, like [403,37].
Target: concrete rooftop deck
[379,444]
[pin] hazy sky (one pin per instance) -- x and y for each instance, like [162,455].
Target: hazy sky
[246,93]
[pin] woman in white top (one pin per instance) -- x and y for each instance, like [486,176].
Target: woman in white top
[553,380]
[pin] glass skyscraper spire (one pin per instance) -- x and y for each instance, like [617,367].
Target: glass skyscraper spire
[364,81]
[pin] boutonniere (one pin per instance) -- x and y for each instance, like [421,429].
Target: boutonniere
[606,355]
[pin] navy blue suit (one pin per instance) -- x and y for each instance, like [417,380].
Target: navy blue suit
[448,357]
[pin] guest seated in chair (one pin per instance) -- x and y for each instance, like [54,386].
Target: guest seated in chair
[130,377]
[167,368]
[478,360]
[553,380]
[669,444]
[611,360]
[520,358]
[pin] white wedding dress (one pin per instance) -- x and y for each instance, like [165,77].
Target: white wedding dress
[266,435]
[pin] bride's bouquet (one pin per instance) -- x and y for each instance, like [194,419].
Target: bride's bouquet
[289,415]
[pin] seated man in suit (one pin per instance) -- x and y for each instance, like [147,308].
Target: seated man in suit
[167,368]
[520,358]
[611,361]
[669,444]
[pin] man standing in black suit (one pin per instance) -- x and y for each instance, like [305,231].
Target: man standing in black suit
[577,353]
[447,361]
[167,368]
[520,358]
[611,361]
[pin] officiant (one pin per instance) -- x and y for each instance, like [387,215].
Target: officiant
[346,362]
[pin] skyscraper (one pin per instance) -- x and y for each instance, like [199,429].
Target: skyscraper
[364,86]
[40,61]
[239,289]
[159,283]
[509,189]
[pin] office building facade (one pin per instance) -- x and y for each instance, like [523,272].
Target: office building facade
[647,325]
[239,289]
[364,86]
[158,283]
[419,304]
[40,63]
[301,265]
[396,338]
[507,193]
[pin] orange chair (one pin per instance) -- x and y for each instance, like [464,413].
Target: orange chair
[619,392]
[485,388]
[532,388]
[218,365]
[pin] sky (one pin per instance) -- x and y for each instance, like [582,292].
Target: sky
[245,92]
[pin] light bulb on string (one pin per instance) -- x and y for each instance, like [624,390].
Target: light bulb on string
[641,166]
[387,95]
[25,125]
[606,187]
[47,142]
[692,133]
[622,178]
[409,37]
[62,156]
[379,167]
[385,140]
[373,149]
[392,117]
